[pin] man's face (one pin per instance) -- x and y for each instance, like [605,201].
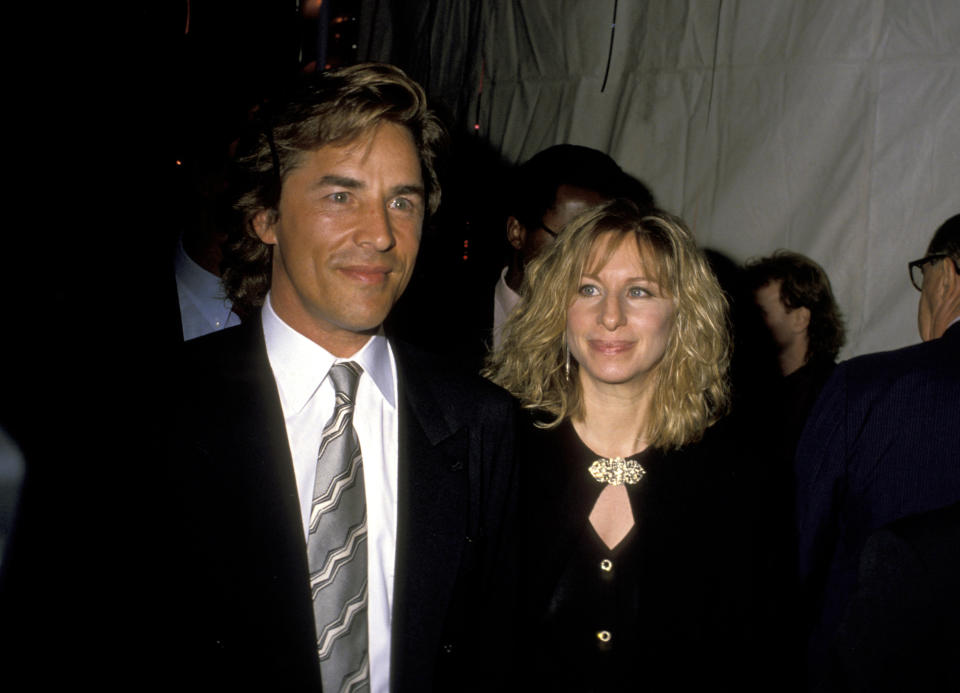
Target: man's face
[346,237]
[569,202]
[775,314]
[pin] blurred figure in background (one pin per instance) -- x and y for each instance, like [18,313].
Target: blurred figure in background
[205,219]
[796,301]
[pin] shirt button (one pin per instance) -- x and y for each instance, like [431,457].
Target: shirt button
[604,636]
[606,565]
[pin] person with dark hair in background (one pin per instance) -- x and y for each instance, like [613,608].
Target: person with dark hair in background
[546,192]
[796,301]
[343,503]
[882,443]
[198,255]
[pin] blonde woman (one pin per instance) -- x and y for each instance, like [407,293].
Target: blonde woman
[619,349]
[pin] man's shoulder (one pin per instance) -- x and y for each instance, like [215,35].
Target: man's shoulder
[227,368]
[231,340]
[444,380]
[935,359]
[891,393]
[227,351]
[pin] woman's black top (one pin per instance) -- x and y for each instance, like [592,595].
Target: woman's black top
[666,609]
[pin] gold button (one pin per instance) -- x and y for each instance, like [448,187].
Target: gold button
[606,565]
[603,636]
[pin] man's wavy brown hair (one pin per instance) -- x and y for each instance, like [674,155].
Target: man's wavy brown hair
[691,389]
[335,108]
[803,284]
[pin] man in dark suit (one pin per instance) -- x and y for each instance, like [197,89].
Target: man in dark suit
[882,443]
[292,572]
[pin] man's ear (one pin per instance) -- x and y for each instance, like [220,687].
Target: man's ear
[950,273]
[800,319]
[944,299]
[516,233]
[265,224]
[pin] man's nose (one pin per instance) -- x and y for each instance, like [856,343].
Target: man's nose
[375,229]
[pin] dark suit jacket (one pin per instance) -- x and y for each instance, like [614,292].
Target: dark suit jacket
[900,630]
[883,442]
[243,601]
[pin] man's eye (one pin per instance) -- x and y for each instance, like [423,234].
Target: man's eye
[401,203]
[339,197]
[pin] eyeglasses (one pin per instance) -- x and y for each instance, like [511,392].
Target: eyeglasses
[917,268]
[548,229]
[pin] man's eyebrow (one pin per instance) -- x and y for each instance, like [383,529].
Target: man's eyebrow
[339,182]
[408,189]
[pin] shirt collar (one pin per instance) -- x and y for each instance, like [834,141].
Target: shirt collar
[505,297]
[200,281]
[300,365]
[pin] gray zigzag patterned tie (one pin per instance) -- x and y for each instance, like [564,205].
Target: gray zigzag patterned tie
[337,545]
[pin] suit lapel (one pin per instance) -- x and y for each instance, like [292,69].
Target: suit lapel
[267,532]
[243,575]
[432,519]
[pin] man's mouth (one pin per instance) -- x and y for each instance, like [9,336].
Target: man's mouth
[366,274]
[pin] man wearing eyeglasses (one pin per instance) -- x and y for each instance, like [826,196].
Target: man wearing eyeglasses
[935,276]
[547,191]
[882,443]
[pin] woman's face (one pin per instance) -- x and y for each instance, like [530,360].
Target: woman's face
[619,322]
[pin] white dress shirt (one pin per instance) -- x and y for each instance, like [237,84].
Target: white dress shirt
[203,306]
[300,367]
[505,300]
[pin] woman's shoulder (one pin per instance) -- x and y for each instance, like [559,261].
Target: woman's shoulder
[714,463]
[726,439]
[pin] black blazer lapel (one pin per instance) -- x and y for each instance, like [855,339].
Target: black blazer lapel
[240,510]
[433,520]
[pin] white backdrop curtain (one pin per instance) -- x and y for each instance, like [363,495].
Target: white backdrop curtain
[830,127]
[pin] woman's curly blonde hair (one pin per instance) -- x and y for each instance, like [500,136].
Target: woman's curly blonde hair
[691,389]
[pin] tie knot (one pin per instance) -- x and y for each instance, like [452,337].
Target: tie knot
[345,377]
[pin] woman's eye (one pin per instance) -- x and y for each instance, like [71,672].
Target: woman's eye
[588,290]
[638,292]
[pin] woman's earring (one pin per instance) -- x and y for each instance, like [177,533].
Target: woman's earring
[566,366]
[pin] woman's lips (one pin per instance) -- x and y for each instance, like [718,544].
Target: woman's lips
[610,347]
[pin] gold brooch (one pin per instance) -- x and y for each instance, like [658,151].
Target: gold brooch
[616,471]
